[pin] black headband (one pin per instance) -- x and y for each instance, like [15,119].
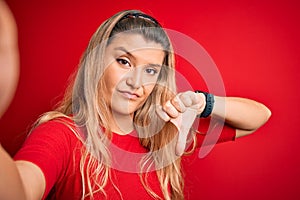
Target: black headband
[141,16]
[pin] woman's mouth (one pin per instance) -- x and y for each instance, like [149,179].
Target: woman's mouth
[129,95]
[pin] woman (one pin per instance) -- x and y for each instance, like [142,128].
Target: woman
[121,130]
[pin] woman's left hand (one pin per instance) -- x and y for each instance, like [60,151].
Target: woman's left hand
[182,111]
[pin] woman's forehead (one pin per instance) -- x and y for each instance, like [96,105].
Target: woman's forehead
[133,42]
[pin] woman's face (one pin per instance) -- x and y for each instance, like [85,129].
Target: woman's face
[132,69]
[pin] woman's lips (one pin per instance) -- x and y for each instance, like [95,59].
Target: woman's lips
[129,95]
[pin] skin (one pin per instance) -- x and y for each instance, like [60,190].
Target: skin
[134,76]
[10,185]
[130,77]
[9,57]
[130,80]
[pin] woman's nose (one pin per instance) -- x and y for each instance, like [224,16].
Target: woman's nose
[134,78]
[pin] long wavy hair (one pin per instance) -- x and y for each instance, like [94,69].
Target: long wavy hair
[83,103]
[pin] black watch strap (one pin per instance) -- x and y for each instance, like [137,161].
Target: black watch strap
[210,101]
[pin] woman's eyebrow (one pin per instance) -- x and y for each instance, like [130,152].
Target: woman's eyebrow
[129,54]
[124,50]
[154,65]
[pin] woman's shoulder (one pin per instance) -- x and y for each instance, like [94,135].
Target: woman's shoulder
[51,138]
[61,128]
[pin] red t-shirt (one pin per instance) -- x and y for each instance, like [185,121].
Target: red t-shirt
[56,150]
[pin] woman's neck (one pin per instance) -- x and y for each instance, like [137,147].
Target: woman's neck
[121,124]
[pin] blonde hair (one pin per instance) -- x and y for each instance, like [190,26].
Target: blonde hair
[84,105]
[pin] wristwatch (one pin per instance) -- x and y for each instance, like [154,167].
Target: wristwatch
[210,101]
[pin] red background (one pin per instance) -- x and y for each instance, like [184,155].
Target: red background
[255,45]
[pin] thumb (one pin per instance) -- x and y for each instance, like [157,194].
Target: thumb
[183,124]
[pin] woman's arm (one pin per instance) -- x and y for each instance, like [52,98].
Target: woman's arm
[245,115]
[9,57]
[20,180]
[11,187]
[13,174]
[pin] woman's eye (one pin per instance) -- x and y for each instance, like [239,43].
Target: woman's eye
[151,71]
[123,62]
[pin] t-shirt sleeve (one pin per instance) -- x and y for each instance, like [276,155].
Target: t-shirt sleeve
[213,131]
[49,147]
